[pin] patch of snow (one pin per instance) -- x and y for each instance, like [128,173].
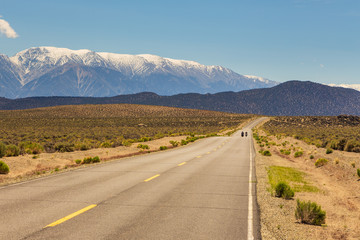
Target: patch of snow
[352,86]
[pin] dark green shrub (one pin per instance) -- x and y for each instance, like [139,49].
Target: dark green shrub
[311,156]
[266,153]
[95,159]
[358,172]
[12,150]
[87,160]
[4,169]
[309,213]
[298,154]
[329,150]
[321,162]
[2,150]
[163,147]
[283,190]
[184,142]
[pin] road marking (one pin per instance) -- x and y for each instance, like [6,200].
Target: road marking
[208,152]
[71,216]
[198,156]
[250,207]
[151,178]
[181,164]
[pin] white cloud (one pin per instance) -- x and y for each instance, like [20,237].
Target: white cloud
[353,86]
[322,65]
[7,30]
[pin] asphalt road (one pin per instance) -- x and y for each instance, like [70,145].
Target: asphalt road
[199,191]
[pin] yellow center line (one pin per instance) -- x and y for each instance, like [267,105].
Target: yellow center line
[71,216]
[181,164]
[151,178]
[198,156]
[208,152]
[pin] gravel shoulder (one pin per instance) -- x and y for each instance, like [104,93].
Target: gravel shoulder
[338,195]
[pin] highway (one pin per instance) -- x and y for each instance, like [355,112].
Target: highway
[199,191]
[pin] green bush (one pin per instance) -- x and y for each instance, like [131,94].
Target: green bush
[30,148]
[174,143]
[95,159]
[12,150]
[106,145]
[2,150]
[298,154]
[311,156]
[143,146]
[163,147]
[184,142]
[87,160]
[358,172]
[285,151]
[321,162]
[283,190]
[4,169]
[78,161]
[329,150]
[309,213]
[266,153]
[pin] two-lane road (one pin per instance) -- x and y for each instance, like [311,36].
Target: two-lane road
[202,191]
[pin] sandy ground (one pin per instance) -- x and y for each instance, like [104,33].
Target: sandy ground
[339,193]
[30,166]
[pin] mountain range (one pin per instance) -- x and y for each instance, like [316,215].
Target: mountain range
[51,71]
[292,98]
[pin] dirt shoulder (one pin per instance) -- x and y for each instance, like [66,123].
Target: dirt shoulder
[338,195]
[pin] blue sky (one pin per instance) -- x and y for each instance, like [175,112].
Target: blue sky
[316,40]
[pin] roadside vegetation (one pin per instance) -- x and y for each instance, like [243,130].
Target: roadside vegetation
[71,128]
[334,133]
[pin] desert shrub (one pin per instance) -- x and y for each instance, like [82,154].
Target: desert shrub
[2,150]
[143,146]
[298,154]
[4,169]
[87,160]
[283,190]
[285,151]
[12,150]
[95,159]
[84,147]
[309,213]
[329,150]
[321,162]
[353,164]
[163,147]
[64,147]
[174,143]
[266,153]
[78,161]
[30,148]
[311,156]
[106,145]
[126,143]
[184,142]
[358,172]
[336,161]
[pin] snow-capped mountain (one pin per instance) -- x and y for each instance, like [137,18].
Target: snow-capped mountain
[51,71]
[353,86]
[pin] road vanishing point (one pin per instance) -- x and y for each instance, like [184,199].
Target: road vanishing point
[205,190]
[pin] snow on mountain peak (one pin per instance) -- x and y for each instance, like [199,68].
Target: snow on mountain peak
[256,78]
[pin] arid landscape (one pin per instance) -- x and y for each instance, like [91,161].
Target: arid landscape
[334,186]
[43,141]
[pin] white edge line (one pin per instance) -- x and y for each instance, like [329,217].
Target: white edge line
[250,207]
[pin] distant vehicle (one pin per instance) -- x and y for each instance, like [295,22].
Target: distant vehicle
[242,134]
[245,134]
